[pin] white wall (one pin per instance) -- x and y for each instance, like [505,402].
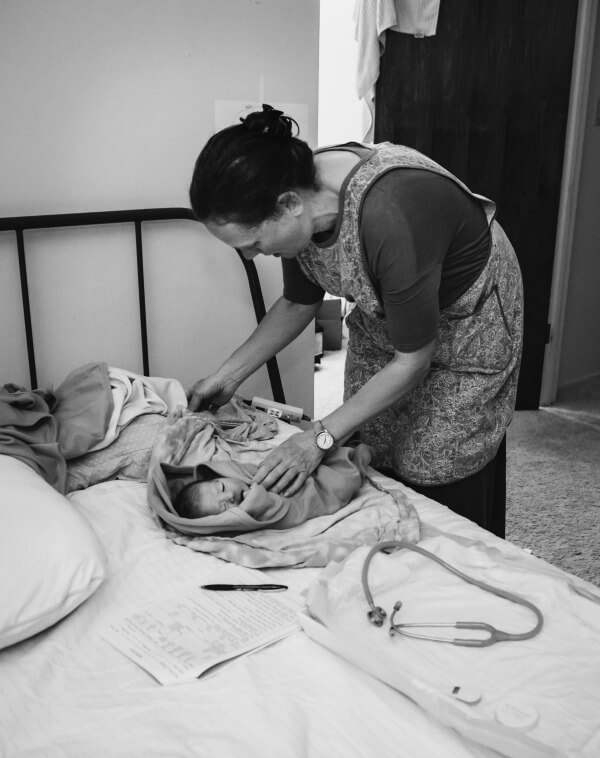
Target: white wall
[580,356]
[105,106]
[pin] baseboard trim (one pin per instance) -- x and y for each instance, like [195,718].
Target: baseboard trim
[580,388]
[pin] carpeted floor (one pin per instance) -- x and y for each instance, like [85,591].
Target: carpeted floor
[553,486]
[553,475]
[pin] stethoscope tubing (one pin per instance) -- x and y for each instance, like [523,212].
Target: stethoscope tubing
[376,614]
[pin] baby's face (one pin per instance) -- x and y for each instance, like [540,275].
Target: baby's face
[217,495]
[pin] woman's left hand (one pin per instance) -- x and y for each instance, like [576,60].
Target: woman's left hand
[287,467]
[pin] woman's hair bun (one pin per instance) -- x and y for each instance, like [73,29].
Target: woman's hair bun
[270,123]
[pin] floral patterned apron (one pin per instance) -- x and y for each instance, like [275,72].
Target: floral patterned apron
[452,423]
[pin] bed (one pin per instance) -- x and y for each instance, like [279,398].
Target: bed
[65,691]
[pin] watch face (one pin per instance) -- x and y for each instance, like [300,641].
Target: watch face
[324,440]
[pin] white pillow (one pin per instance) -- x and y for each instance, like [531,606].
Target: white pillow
[50,557]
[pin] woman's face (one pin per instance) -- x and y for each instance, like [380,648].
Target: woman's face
[283,236]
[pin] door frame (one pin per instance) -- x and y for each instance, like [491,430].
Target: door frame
[576,123]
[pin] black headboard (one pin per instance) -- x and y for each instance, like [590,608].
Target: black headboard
[21,224]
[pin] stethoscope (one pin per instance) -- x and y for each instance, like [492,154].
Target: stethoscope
[376,614]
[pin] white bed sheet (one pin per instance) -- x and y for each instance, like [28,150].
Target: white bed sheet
[68,694]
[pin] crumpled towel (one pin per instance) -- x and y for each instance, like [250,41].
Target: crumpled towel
[29,432]
[233,433]
[240,423]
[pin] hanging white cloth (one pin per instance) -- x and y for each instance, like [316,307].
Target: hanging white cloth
[372,18]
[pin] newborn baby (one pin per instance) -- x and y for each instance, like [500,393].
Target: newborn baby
[210,496]
[218,496]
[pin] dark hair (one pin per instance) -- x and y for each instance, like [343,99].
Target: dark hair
[243,169]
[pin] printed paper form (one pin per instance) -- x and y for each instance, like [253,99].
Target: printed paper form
[178,639]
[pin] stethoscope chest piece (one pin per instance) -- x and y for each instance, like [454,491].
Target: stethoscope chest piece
[377,615]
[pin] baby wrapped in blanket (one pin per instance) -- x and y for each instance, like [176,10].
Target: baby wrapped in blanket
[327,518]
[219,496]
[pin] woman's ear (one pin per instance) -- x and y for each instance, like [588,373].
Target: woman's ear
[292,202]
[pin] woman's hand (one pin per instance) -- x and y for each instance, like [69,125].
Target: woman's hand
[283,323]
[287,467]
[212,390]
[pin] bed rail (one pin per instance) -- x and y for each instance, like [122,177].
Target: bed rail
[21,224]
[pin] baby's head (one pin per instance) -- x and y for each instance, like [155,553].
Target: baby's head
[210,495]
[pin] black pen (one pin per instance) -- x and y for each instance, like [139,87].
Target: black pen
[244,587]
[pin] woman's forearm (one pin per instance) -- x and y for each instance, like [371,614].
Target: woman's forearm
[387,386]
[283,322]
[286,468]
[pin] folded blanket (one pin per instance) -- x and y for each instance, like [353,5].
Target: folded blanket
[323,522]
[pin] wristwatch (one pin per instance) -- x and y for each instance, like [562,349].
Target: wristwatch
[323,439]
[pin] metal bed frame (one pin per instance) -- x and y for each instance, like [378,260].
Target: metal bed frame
[21,224]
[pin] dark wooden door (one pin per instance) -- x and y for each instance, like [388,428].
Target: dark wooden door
[487,98]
